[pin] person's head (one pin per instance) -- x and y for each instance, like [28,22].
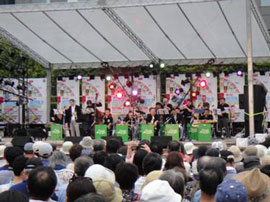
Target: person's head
[99,145]
[206,112]
[173,146]
[173,112]
[217,163]
[266,170]
[112,146]
[13,196]
[138,160]
[45,150]
[107,112]
[75,151]
[151,162]
[143,142]
[130,114]
[72,102]
[89,103]
[156,147]
[28,149]
[32,164]
[209,179]
[222,101]
[203,162]
[204,98]
[153,111]
[201,151]
[78,187]
[58,159]
[212,152]
[11,153]
[189,102]
[228,157]
[182,148]
[99,157]
[112,161]
[91,197]
[158,105]
[174,160]
[41,183]
[126,175]
[81,164]
[175,179]
[18,166]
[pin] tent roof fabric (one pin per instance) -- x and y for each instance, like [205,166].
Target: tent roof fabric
[134,32]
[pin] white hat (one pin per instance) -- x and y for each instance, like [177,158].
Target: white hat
[159,191]
[66,147]
[36,146]
[99,172]
[45,149]
[87,142]
[219,145]
[189,147]
[262,150]
[2,149]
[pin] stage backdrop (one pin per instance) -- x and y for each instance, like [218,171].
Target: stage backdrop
[147,91]
[37,105]
[210,91]
[10,111]
[67,89]
[90,88]
[231,86]
[265,79]
[173,83]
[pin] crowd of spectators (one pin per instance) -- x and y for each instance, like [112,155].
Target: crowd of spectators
[110,171]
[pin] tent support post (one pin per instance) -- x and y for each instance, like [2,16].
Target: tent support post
[49,87]
[250,69]
[158,87]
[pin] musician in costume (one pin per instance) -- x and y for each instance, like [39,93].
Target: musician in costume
[73,118]
[108,120]
[153,118]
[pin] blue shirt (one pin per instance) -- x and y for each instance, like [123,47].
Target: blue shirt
[22,187]
[5,167]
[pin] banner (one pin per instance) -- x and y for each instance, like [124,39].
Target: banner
[231,86]
[210,90]
[56,131]
[92,87]
[11,113]
[146,97]
[174,94]
[122,131]
[265,80]
[100,131]
[37,104]
[67,89]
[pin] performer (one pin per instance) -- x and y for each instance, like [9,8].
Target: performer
[153,119]
[130,120]
[223,118]
[204,104]
[108,120]
[176,118]
[187,113]
[58,117]
[207,116]
[73,118]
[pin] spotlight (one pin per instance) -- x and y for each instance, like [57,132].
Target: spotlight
[177,91]
[79,77]
[207,74]
[127,103]
[105,64]
[9,83]
[129,83]
[135,92]
[112,86]
[162,65]
[202,84]
[108,77]
[119,94]
[151,65]
[239,73]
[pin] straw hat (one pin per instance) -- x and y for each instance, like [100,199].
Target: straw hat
[107,189]
[154,175]
[236,153]
[87,142]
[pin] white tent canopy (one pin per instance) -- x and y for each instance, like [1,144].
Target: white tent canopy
[134,32]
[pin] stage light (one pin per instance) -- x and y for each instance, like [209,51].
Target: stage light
[177,91]
[9,83]
[108,77]
[151,65]
[112,86]
[79,77]
[127,103]
[162,65]
[105,64]
[202,84]
[193,94]
[207,74]
[239,73]
[135,92]
[119,95]
[129,83]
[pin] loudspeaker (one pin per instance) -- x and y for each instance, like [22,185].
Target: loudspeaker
[19,141]
[163,140]
[37,132]
[241,98]
[11,130]
[75,140]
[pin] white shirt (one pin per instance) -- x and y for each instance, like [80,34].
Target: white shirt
[32,200]
[138,185]
[73,112]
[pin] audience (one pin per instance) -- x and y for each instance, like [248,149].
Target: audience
[96,170]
